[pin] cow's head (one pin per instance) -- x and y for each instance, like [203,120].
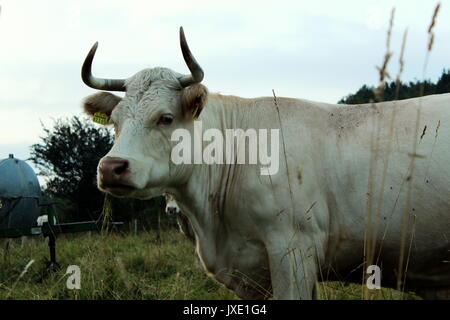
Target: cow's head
[157,101]
[172,208]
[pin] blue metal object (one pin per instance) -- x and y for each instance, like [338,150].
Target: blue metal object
[20,194]
[21,203]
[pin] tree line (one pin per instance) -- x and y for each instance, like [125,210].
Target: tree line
[411,89]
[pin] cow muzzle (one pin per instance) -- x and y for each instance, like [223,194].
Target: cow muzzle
[172,211]
[114,174]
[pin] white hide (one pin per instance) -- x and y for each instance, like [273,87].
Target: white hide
[351,178]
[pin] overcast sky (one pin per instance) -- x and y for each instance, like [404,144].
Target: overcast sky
[316,50]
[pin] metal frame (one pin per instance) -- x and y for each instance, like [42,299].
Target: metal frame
[50,230]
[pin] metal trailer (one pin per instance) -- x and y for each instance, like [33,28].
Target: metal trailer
[21,203]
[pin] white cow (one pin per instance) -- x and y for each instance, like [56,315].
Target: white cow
[172,209]
[356,185]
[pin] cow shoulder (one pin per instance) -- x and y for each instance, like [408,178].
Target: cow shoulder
[193,99]
[103,102]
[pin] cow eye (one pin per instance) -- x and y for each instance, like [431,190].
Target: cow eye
[165,119]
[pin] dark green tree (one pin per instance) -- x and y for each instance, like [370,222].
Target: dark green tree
[443,84]
[67,156]
[412,89]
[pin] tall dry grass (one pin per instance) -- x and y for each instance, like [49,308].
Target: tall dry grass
[373,223]
[403,266]
[113,266]
[127,266]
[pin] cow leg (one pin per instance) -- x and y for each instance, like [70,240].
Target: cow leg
[185,227]
[292,276]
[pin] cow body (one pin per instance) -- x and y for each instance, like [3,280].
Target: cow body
[259,229]
[356,185]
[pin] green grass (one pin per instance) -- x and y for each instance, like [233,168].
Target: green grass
[127,267]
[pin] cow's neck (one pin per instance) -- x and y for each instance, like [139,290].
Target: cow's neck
[204,196]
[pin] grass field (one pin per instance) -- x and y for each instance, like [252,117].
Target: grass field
[124,266]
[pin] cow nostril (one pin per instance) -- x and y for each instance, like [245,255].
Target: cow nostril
[121,168]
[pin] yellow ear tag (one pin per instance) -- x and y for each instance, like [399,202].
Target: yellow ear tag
[100,117]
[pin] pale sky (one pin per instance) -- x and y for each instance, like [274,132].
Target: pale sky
[316,50]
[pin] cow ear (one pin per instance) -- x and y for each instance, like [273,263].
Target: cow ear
[193,99]
[103,102]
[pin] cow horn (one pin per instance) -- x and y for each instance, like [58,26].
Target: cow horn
[99,83]
[196,75]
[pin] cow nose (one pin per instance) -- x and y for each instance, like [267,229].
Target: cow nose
[113,172]
[171,211]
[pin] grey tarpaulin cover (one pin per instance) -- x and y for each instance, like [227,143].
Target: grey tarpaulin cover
[19,194]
